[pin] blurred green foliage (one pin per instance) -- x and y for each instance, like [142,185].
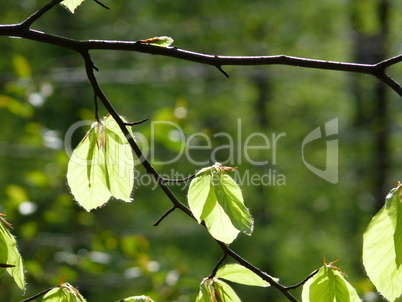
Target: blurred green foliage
[115,252]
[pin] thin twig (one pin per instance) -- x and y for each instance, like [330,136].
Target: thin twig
[136,123]
[38,295]
[218,265]
[39,13]
[96,108]
[304,281]
[391,61]
[390,82]
[101,4]
[165,215]
[257,271]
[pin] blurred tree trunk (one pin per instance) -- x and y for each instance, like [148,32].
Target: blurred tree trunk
[263,85]
[370,24]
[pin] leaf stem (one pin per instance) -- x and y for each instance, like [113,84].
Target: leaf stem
[164,215]
[218,265]
[136,123]
[38,295]
[304,281]
[39,13]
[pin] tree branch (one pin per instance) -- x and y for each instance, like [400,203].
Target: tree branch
[377,69]
[148,167]
[23,30]
[39,13]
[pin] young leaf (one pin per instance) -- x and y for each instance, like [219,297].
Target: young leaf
[215,290]
[328,285]
[137,299]
[71,5]
[215,198]
[238,273]
[162,41]
[382,247]
[64,293]
[10,256]
[101,166]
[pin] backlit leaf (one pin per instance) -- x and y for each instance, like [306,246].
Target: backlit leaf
[9,255]
[328,285]
[64,293]
[382,247]
[216,199]
[238,273]
[101,166]
[71,5]
[162,41]
[215,290]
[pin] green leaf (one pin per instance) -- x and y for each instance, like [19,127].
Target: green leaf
[162,41]
[328,285]
[101,166]
[382,247]
[231,199]
[71,5]
[215,198]
[237,273]
[137,299]
[9,255]
[215,290]
[64,293]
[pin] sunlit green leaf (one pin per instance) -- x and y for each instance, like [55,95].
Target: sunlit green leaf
[137,299]
[198,195]
[215,290]
[329,285]
[230,198]
[9,255]
[101,166]
[64,293]
[215,198]
[238,273]
[162,41]
[382,247]
[71,5]
[207,291]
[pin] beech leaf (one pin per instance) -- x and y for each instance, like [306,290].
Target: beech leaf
[101,166]
[382,249]
[214,290]
[215,198]
[64,293]
[162,41]
[9,255]
[238,273]
[71,5]
[328,285]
